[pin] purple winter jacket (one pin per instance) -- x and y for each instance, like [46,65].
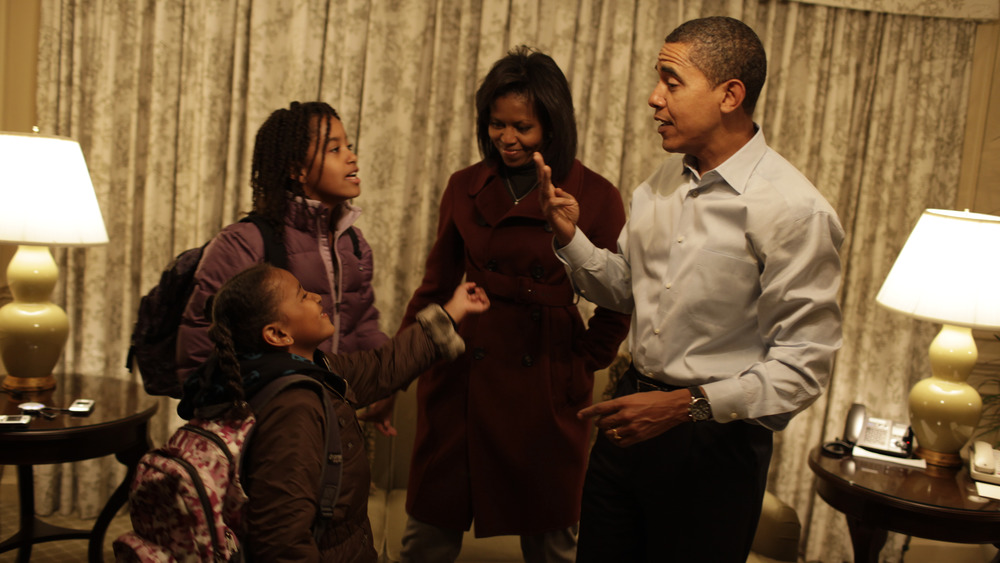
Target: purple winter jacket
[308,225]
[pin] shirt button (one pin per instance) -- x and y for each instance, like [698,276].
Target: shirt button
[491,265]
[656,331]
[694,193]
[479,353]
[668,285]
[680,239]
[733,415]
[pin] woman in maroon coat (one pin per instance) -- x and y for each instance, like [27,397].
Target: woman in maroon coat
[498,440]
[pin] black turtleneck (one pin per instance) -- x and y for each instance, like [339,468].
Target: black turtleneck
[520,180]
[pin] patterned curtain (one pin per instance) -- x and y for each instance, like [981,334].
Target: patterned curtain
[962,9]
[166,95]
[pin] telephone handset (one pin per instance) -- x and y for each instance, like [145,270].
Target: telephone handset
[877,434]
[984,463]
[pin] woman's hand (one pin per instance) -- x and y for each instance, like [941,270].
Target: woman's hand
[468,298]
[560,208]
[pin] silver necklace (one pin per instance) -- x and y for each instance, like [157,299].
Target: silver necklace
[510,189]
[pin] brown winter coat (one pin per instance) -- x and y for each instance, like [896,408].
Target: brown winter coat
[498,439]
[284,459]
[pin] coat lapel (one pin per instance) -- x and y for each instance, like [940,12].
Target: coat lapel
[494,203]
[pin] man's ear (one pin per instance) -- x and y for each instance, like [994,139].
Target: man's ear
[733,94]
[276,336]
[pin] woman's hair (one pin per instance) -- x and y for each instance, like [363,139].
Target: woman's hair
[536,76]
[240,310]
[279,155]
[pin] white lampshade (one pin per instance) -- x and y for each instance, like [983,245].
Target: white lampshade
[46,199]
[948,271]
[46,196]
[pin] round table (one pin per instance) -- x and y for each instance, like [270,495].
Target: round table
[118,425]
[878,497]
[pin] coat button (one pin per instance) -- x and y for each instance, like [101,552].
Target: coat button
[527,361]
[478,353]
[537,271]
[480,221]
[536,315]
[491,265]
[548,228]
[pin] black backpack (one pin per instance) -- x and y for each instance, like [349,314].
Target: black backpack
[154,338]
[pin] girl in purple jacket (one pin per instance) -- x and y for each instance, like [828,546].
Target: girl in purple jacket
[304,174]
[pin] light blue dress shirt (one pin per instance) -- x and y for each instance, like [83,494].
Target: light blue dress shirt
[732,280]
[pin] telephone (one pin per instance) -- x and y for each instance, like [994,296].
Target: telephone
[877,434]
[984,463]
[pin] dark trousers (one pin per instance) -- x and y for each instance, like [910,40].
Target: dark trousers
[691,494]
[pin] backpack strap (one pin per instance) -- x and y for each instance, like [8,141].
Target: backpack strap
[333,467]
[354,241]
[274,251]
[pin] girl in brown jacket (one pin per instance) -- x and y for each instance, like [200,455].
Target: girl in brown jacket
[262,318]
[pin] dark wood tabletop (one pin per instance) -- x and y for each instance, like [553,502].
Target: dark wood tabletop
[878,497]
[118,425]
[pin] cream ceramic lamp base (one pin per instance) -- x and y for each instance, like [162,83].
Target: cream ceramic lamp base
[33,330]
[944,409]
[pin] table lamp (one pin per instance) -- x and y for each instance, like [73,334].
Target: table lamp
[948,272]
[46,199]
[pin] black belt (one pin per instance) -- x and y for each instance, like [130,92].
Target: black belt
[644,383]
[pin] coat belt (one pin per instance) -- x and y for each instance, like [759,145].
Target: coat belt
[522,289]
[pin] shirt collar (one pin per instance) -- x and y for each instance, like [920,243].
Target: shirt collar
[736,170]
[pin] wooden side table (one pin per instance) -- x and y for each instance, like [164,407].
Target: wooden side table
[878,497]
[119,425]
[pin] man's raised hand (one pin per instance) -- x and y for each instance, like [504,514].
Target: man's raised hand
[560,208]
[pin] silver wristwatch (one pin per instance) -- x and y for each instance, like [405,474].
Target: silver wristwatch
[700,409]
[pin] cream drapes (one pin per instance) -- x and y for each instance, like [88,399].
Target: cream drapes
[982,10]
[166,95]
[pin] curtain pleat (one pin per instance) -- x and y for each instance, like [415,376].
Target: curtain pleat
[166,96]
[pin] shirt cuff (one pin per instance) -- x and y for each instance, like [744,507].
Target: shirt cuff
[577,252]
[726,399]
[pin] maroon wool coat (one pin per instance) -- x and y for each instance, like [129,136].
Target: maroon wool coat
[497,438]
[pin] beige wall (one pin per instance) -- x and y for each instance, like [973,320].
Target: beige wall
[979,186]
[18,54]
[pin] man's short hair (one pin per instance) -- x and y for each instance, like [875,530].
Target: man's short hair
[723,49]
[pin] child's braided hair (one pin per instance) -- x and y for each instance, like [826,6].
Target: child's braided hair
[279,155]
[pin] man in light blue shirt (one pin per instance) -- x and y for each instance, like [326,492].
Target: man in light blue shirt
[729,266]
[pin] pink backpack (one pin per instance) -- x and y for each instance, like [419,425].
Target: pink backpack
[186,501]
